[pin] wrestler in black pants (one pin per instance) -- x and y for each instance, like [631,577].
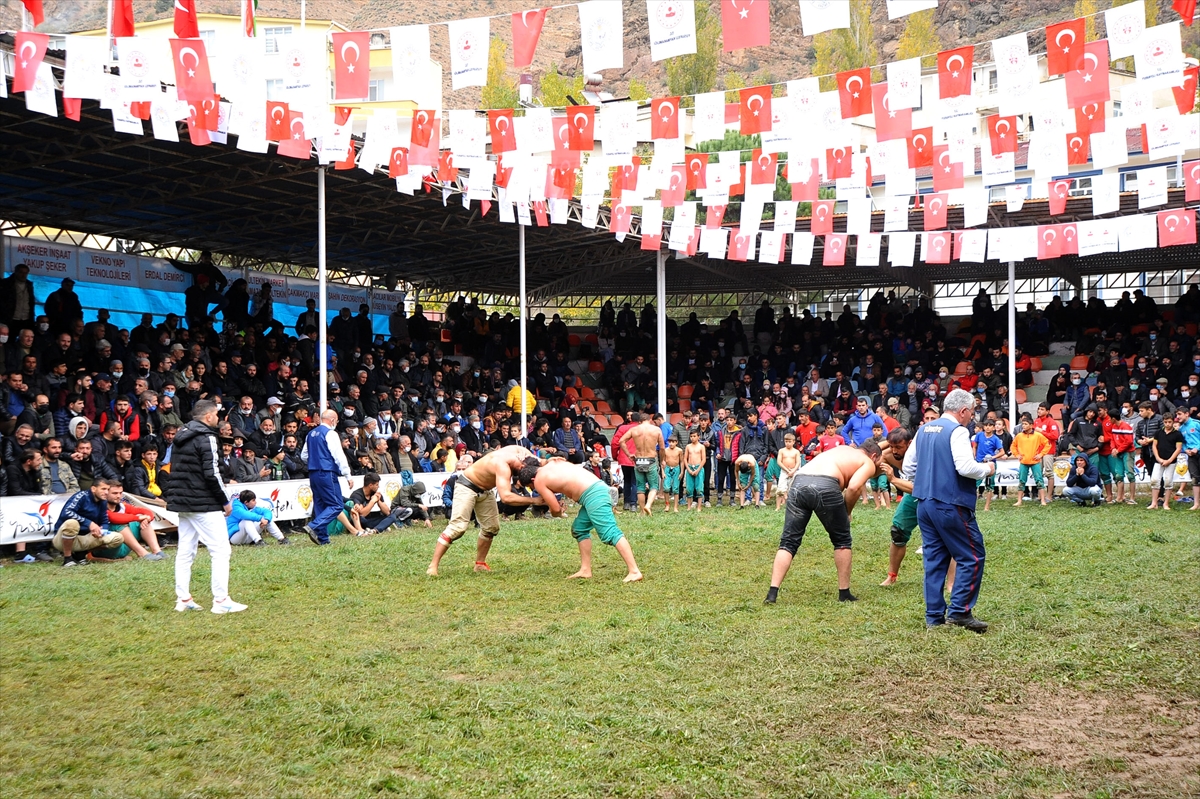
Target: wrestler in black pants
[708,480]
[630,486]
[726,476]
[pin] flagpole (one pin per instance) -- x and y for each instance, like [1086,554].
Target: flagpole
[661,286]
[524,312]
[1013,409]
[323,325]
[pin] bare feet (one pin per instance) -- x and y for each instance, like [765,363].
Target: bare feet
[580,575]
[1017,504]
[632,577]
[647,511]
[432,571]
[890,581]
[482,567]
[428,523]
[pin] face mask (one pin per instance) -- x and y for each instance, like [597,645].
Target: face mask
[1185,393]
[117,375]
[482,398]
[1153,337]
[168,393]
[152,408]
[1133,386]
[4,339]
[477,374]
[387,417]
[42,326]
[981,389]
[42,408]
[1192,382]
[348,412]
[1076,382]
[943,375]
[1141,366]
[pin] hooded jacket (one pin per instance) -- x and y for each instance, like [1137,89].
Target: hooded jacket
[196,485]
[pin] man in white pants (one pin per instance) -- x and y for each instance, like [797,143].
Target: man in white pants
[197,493]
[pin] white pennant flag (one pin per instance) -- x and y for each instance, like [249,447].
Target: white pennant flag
[1123,26]
[1048,154]
[538,130]
[770,246]
[714,241]
[902,8]
[1109,148]
[163,116]
[239,74]
[672,28]
[469,52]
[973,249]
[1159,57]
[709,120]
[1152,187]
[785,216]
[683,226]
[652,218]
[1097,236]
[601,34]
[904,83]
[136,56]
[901,248]
[858,215]
[751,216]
[975,207]
[895,214]
[1169,134]
[1138,232]
[410,54]
[818,16]
[84,75]
[302,67]
[802,248]
[1106,195]
[41,98]
[803,95]
[869,245]
[1016,72]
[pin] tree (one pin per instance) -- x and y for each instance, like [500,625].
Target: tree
[553,88]
[733,82]
[638,91]
[500,90]
[1151,20]
[919,39]
[847,48]
[697,73]
[1087,9]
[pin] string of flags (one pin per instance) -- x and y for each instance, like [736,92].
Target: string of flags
[533,162]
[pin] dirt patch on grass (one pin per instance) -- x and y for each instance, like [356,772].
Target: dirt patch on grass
[1148,742]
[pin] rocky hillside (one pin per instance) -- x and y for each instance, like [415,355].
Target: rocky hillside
[789,56]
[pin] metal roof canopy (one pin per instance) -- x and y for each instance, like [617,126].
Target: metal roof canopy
[85,177]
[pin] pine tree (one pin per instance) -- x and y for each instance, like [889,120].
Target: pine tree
[919,39]
[500,90]
[847,48]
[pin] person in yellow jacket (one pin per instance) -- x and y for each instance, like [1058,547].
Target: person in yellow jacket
[1030,446]
[513,400]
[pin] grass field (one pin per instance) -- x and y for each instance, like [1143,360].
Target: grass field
[352,674]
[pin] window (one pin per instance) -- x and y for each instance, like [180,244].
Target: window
[1116,108]
[208,37]
[378,40]
[272,36]
[1080,187]
[275,89]
[1129,179]
[375,91]
[993,81]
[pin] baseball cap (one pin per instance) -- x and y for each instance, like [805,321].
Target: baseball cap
[274,401]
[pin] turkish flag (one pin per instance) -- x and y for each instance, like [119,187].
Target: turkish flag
[564,179]
[195,124]
[821,221]
[421,131]
[503,175]
[555,191]
[28,51]
[1058,192]
[539,212]
[956,254]
[1186,9]
[805,179]
[765,168]
[1049,243]
[739,188]
[664,118]
[500,125]
[428,155]
[1191,181]
[1064,42]
[1185,95]
[626,176]
[297,145]
[34,7]
[563,156]
[1176,227]
[672,196]
[854,92]
[651,243]
[938,250]
[1077,149]
[398,163]
[890,123]
[351,65]
[713,216]
[1068,237]
[1089,119]
[581,122]
[935,211]
[140,110]
[1002,133]
[1087,81]
[947,174]
[192,78]
[835,250]
[745,23]
[838,163]
[954,71]
[693,245]
[347,162]
[618,220]
[447,171]
[739,245]
[755,109]
[697,168]
[277,121]
[526,28]
[72,106]
[122,20]
[920,148]
[341,113]
[208,112]
[185,20]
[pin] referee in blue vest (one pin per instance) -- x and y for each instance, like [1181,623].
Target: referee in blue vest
[326,461]
[945,475]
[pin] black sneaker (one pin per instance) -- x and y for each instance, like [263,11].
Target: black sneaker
[312,534]
[44,557]
[968,622]
[283,542]
[260,543]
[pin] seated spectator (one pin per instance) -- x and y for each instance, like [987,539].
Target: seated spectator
[56,474]
[133,523]
[249,468]
[247,521]
[409,497]
[1083,482]
[370,508]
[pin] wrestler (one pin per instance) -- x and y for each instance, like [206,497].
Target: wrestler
[672,457]
[647,444]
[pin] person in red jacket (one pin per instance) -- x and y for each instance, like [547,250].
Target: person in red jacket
[624,458]
[123,415]
[1122,457]
[806,431]
[1104,426]
[1047,426]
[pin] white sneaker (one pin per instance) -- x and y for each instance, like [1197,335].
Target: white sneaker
[227,605]
[186,604]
